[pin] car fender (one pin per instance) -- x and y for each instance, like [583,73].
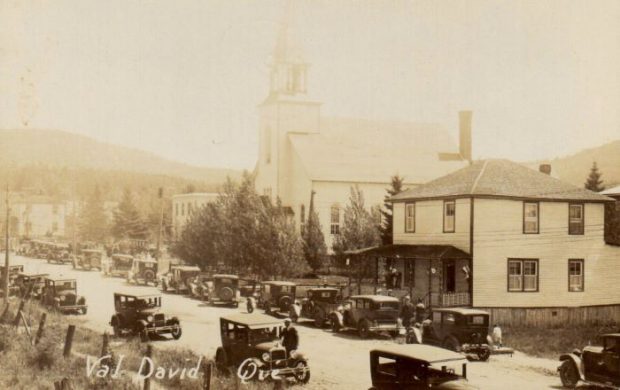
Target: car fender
[298,355]
[577,361]
[175,320]
[296,309]
[338,317]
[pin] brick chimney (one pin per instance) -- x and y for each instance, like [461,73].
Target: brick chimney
[545,168]
[465,134]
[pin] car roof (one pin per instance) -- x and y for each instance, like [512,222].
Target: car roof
[58,279]
[144,295]
[253,321]
[612,335]
[185,267]
[421,352]
[229,276]
[324,289]
[279,283]
[376,298]
[30,274]
[462,310]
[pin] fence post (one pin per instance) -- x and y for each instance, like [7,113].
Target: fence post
[17,316]
[206,376]
[40,330]
[149,354]
[69,341]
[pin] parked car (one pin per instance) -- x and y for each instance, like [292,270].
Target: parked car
[119,265]
[58,253]
[368,314]
[30,284]
[199,286]
[89,259]
[251,344]
[178,278]
[457,329]
[276,294]
[223,289]
[140,315]
[143,270]
[594,365]
[14,271]
[397,367]
[61,295]
[317,305]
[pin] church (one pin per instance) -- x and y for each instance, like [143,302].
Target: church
[303,154]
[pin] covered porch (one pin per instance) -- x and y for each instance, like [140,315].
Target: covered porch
[437,275]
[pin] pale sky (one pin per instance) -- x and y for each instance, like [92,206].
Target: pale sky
[183,78]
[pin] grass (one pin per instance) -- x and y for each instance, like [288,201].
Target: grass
[551,342]
[24,366]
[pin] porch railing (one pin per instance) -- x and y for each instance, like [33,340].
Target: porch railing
[448,299]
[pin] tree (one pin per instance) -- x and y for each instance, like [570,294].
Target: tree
[313,240]
[360,227]
[594,182]
[93,223]
[127,220]
[387,211]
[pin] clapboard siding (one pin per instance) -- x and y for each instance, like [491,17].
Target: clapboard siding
[590,315]
[429,224]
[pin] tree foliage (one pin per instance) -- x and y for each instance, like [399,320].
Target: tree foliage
[128,222]
[360,228]
[244,233]
[594,182]
[93,223]
[315,250]
[387,212]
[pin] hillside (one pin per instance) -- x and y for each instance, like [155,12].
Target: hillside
[575,168]
[54,148]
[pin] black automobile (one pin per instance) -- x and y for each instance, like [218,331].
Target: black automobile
[141,315]
[594,365]
[276,294]
[457,329]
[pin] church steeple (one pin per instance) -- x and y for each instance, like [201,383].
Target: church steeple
[288,68]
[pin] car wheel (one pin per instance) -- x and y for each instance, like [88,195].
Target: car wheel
[249,305]
[302,372]
[319,318]
[363,329]
[452,344]
[484,355]
[569,374]
[221,361]
[177,332]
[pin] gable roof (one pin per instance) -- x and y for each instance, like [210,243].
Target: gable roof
[371,151]
[500,178]
[614,191]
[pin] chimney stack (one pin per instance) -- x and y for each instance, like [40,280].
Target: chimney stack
[545,168]
[465,135]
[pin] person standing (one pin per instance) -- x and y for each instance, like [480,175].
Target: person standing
[290,337]
[407,311]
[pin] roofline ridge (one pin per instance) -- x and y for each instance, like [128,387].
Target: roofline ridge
[473,187]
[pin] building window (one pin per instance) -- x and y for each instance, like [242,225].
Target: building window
[449,210]
[522,275]
[189,208]
[530,217]
[182,208]
[335,219]
[267,145]
[409,217]
[575,275]
[575,219]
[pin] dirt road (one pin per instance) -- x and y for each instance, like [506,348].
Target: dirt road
[337,361]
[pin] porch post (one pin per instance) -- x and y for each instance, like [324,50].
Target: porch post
[430,283]
[376,273]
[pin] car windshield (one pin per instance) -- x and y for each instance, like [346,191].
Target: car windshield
[146,303]
[477,320]
[65,285]
[263,335]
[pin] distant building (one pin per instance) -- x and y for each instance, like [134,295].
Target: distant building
[34,216]
[183,205]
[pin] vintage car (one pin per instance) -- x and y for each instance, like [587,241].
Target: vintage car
[140,315]
[368,314]
[143,270]
[61,295]
[318,304]
[276,294]
[397,367]
[457,329]
[224,290]
[178,278]
[119,265]
[199,286]
[58,253]
[594,365]
[30,285]
[89,259]
[14,271]
[251,344]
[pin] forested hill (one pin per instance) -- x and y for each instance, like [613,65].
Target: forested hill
[60,149]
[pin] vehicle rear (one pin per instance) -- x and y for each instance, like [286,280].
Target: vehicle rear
[384,316]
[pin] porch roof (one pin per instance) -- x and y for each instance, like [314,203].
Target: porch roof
[441,252]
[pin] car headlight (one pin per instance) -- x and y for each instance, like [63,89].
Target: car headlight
[149,318]
[266,356]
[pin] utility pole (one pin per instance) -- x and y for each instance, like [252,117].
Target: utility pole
[160,194]
[6,249]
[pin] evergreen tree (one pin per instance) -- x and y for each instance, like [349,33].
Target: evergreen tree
[127,220]
[314,247]
[387,211]
[594,182]
[360,227]
[93,223]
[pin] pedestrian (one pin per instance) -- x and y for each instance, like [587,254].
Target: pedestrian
[497,336]
[407,311]
[420,311]
[290,338]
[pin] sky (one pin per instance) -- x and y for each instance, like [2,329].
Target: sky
[183,78]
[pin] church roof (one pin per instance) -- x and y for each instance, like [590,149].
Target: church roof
[371,151]
[500,179]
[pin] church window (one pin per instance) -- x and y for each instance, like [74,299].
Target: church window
[335,219]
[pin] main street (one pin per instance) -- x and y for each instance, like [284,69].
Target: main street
[337,361]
